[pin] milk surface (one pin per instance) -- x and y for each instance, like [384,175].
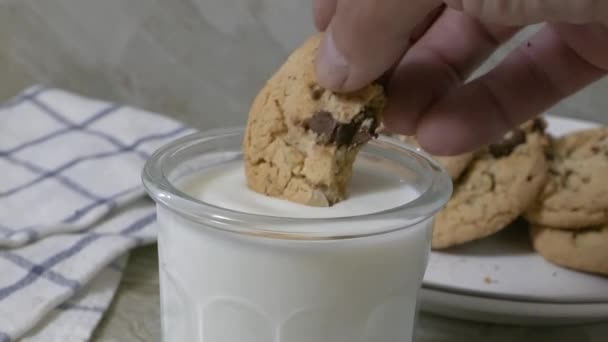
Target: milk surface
[219,286]
[373,189]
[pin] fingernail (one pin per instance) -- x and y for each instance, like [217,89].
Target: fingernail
[332,67]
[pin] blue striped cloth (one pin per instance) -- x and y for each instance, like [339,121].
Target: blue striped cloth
[71,207]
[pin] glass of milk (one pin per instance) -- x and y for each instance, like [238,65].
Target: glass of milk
[238,266]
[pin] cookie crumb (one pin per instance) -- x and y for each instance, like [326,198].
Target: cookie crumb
[488,280]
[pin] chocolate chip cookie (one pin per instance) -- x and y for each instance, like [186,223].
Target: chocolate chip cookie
[583,249]
[301,140]
[501,182]
[576,193]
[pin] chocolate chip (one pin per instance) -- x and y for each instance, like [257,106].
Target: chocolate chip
[345,134]
[539,125]
[361,138]
[508,144]
[324,125]
[366,127]
[595,149]
[329,131]
[498,151]
[367,131]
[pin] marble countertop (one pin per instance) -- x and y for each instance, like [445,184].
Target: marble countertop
[134,316]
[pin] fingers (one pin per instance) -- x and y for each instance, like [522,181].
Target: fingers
[365,38]
[422,27]
[441,60]
[589,41]
[529,81]
[323,11]
[523,12]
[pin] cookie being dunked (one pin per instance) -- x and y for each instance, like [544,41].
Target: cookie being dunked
[301,140]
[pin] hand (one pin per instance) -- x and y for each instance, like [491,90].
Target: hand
[426,49]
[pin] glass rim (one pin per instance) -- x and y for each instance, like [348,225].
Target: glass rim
[163,191]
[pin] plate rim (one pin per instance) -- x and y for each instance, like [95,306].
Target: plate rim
[502,311]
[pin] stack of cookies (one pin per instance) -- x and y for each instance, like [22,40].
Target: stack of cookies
[570,217]
[560,186]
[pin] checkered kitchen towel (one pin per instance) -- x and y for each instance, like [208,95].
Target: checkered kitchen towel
[71,207]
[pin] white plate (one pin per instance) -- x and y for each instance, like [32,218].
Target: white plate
[510,312]
[504,269]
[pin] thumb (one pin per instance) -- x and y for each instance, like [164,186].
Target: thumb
[365,38]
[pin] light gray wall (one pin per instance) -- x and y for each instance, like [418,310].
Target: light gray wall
[198,60]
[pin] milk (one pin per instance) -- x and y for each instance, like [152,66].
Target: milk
[222,286]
